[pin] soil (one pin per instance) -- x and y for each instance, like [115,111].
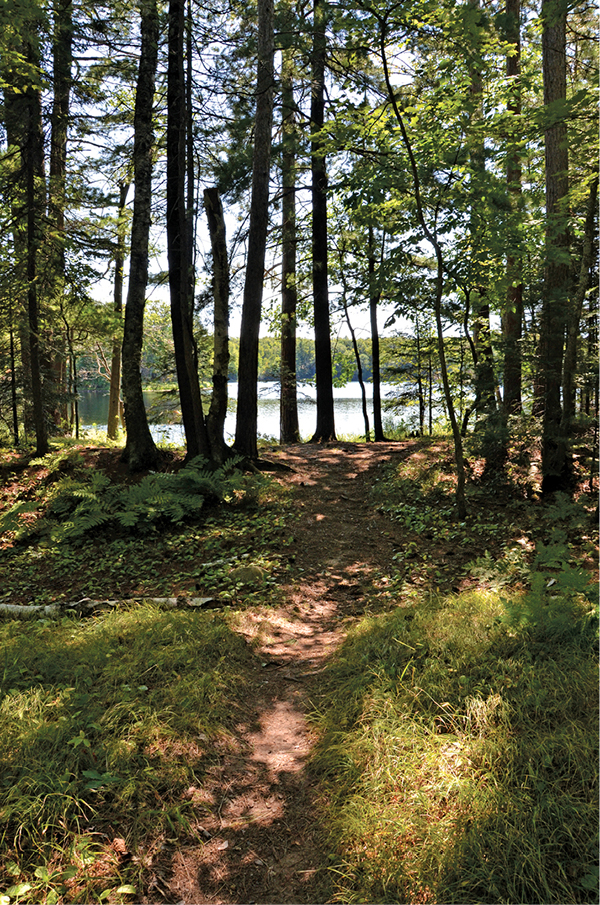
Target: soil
[263,841]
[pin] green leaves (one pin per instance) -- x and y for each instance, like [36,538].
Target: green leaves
[99,780]
[80,740]
[13,519]
[126,890]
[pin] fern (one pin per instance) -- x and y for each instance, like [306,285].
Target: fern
[78,506]
[88,516]
[128,518]
[57,462]
[560,607]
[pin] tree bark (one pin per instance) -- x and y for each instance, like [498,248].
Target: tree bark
[556,462]
[576,311]
[179,241]
[114,395]
[33,162]
[140,450]
[485,399]
[512,318]
[14,122]
[289,425]
[485,383]
[374,296]
[325,429]
[62,82]
[218,404]
[87,607]
[359,371]
[420,387]
[13,384]
[247,402]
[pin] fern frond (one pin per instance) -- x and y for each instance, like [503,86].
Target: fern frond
[99,482]
[88,515]
[127,518]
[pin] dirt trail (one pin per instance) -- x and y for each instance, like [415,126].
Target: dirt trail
[263,841]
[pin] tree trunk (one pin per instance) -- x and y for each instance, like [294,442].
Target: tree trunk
[191,172]
[218,404]
[420,388]
[140,450]
[576,311]
[363,391]
[14,126]
[513,309]
[485,382]
[114,395]
[374,296]
[485,399]
[591,357]
[556,462]
[33,161]
[247,402]
[13,384]
[88,607]
[289,426]
[325,430]
[62,81]
[179,241]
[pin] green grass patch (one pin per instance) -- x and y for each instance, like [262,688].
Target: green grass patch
[103,726]
[459,749]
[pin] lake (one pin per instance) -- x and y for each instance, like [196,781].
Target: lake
[93,412]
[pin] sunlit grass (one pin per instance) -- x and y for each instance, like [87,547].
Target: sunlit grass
[103,726]
[459,754]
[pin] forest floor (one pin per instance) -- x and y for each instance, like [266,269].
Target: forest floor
[209,722]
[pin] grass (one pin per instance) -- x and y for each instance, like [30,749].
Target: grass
[458,753]
[105,723]
[457,759]
[127,709]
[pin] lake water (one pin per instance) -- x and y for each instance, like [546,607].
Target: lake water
[93,412]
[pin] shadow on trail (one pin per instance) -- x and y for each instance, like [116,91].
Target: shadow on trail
[264,842]
[263,825]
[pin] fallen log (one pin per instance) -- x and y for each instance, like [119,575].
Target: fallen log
[88,607]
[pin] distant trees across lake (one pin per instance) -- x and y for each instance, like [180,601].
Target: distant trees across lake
[158,364]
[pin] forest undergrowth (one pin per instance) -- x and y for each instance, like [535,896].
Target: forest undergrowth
[456,756]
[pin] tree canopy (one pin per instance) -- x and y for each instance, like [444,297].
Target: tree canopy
[432,164]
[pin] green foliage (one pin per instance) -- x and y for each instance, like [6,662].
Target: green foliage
[269,359]
[163,558]
[77,506]
[561,605]
[501,571]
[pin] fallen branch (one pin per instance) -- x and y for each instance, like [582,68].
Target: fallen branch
[87,607]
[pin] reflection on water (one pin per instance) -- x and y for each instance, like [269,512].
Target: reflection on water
[93,411]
